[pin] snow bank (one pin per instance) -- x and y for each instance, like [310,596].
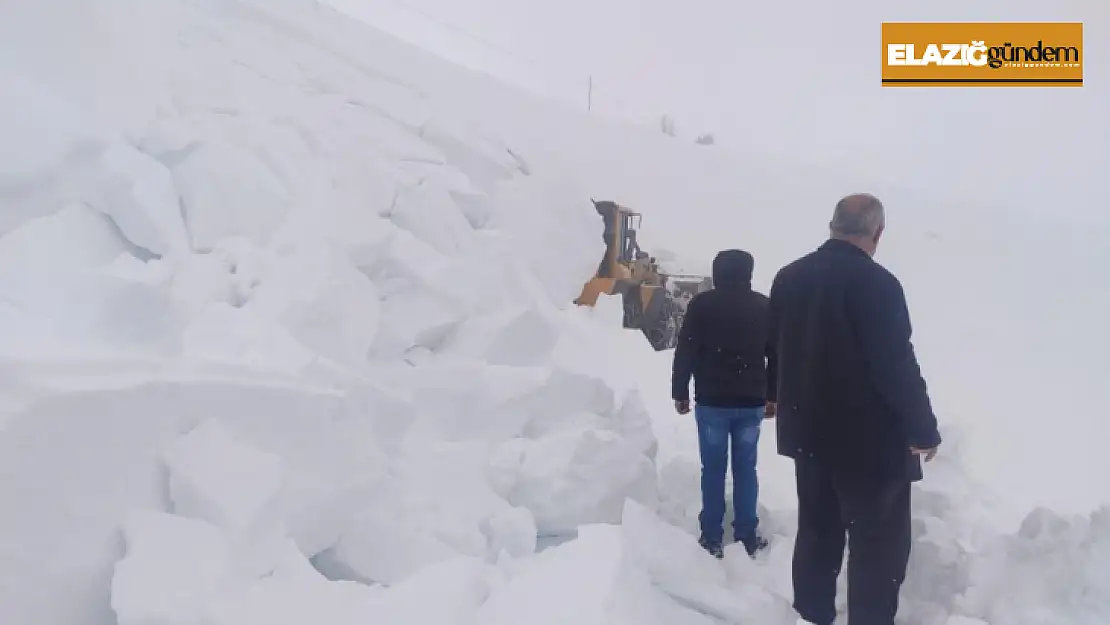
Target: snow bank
[181,570]
[176,569]
[648,571]
[1055,569]
[573,478]
[643,571]
[73,465]
[258,200]
[356,224]
[438,505]
[55,155]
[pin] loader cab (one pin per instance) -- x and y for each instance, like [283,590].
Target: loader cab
[624,242]
[621,246]
[630,245]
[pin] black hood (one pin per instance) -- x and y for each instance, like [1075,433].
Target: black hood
[733,269]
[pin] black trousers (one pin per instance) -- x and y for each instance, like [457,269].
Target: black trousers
[875,515]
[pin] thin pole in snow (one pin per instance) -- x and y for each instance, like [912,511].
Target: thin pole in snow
[590,94]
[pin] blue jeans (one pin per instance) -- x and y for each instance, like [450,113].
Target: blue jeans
[717,428]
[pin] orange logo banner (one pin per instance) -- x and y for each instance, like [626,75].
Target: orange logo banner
[1015,54]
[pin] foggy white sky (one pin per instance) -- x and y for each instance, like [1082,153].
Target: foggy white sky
[800,80]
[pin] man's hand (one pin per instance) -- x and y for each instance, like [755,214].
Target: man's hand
[770,410]
[928,453]
[682,406]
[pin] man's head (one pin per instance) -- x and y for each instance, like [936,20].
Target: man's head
[733,268]
[860,220]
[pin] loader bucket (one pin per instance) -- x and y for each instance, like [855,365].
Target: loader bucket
[593,289]
[659,322]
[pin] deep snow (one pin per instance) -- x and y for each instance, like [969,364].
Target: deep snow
[285,338]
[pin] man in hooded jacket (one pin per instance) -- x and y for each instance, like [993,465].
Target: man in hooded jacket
[724,345]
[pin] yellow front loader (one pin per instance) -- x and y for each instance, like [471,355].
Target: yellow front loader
[653,302]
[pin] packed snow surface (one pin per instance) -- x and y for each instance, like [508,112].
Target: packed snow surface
[286,338]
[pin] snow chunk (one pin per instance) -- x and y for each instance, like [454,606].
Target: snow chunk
[415,313]
[173,570]
[599,578]
[307,302]
[202,279]
[480,160]
[571,234]
[1056,569]
[459,414]
[222,333]
[130,308]
[573,478]
[138,193]
[459,586]
[180,571]
[227,192]
[49,273]
[390,416]
[52,158]
[340,319]
[571,583]
[680,568]
[331,461]
[567,401]
[526,341]
[70,240]
[429,212]
[633,422]
[379,546]
[219,479]
[511,531]
[32,148]
[439,504]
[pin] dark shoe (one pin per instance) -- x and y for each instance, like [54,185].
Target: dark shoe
[806,619]
[753,544]
[715,549]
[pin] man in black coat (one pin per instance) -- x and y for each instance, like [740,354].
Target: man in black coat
[723,344]
[853,413]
